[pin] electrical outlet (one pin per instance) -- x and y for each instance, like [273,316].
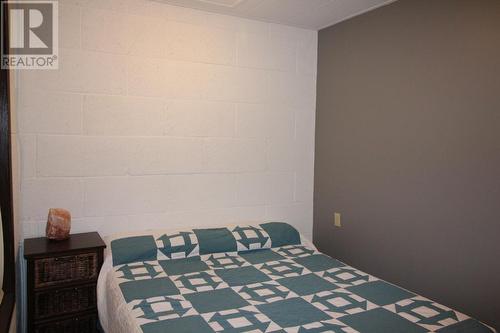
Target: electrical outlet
[336,220]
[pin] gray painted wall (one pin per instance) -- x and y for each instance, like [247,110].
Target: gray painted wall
[408,149]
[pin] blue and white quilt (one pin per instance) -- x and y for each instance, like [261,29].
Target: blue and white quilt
[260,278]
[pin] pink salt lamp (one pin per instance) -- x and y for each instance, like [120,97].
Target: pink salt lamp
[58,224]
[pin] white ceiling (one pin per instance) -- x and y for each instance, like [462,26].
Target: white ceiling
[309,14]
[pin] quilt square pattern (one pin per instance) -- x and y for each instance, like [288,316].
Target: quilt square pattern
[178,325]
[380,321]
[139,271]
[142,289]
[426,313]
[183,266]
[330,326]
[380,292]
[179,245]
[162,307]
[468,325]
[295,251]
[307,284]
[346,276]
[242,276]
[216,300]
[318,262]
[261,256]
[251,238]
[282,268]
[239,284]
[298,312]
[224,260]
[246,319]
[266,292]
[339,303]
[199,281]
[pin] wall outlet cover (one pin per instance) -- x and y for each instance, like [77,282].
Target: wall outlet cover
[336,220]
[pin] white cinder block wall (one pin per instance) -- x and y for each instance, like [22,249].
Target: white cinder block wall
[162,116]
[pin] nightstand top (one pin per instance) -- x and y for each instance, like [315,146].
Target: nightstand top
[43,246]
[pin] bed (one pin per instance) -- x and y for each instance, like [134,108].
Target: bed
[253,278]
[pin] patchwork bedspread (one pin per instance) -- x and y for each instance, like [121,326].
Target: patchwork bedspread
[257,279]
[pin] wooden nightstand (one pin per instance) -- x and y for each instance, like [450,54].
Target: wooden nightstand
[62,278]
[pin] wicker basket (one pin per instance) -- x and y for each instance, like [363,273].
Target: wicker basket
[64,301]
[51,271]
[83,324]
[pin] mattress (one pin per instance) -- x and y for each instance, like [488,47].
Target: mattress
[254,278]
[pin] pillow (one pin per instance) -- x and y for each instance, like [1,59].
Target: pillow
[281,233]
[251,238]
[131,249]
[191,243]
[215,240]
[178,245]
